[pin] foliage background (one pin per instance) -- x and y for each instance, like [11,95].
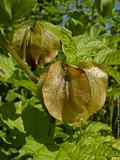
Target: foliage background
[26,130]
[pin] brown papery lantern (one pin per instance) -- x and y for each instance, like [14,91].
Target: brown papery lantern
[35,44]
[72,94]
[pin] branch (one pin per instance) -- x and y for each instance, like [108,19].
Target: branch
[22,64]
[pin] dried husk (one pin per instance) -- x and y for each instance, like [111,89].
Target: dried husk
[35,44]
[98,83]
[72,94]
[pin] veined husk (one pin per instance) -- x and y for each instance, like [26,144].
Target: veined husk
[72,94]
[35,44]
[98,80]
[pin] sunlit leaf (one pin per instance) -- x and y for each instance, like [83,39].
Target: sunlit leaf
[116,144]
[37,150]
[91,145]
[3,137]
[7,67]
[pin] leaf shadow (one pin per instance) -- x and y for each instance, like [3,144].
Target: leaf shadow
[14,141]
[8,110]
[38,124]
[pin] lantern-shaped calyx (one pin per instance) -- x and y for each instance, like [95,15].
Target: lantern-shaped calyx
[71,94]
[36,45]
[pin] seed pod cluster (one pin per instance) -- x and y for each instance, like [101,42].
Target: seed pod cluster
[70,93]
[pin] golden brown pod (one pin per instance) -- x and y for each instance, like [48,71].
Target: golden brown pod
[98,80]
[71,94]
[21,39]
[36,44]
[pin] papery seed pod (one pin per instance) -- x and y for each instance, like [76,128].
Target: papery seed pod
[98,80]
[71,94]
[21,38]
[36,44]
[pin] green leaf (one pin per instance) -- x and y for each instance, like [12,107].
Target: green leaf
[114,92]
[116,144]
[4,17]
[7,67]
[3,137]
[7,70]
[36,150]
[36,123]
[94,142]
[112,58]
[106,7]
[88,47]
[11,96]
[97,4]
[113,73]
[24,115]
[28,84]
[22,8]
[8,7]
[92,145]
[96,127]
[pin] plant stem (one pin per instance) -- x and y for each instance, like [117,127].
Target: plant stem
[22,64]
